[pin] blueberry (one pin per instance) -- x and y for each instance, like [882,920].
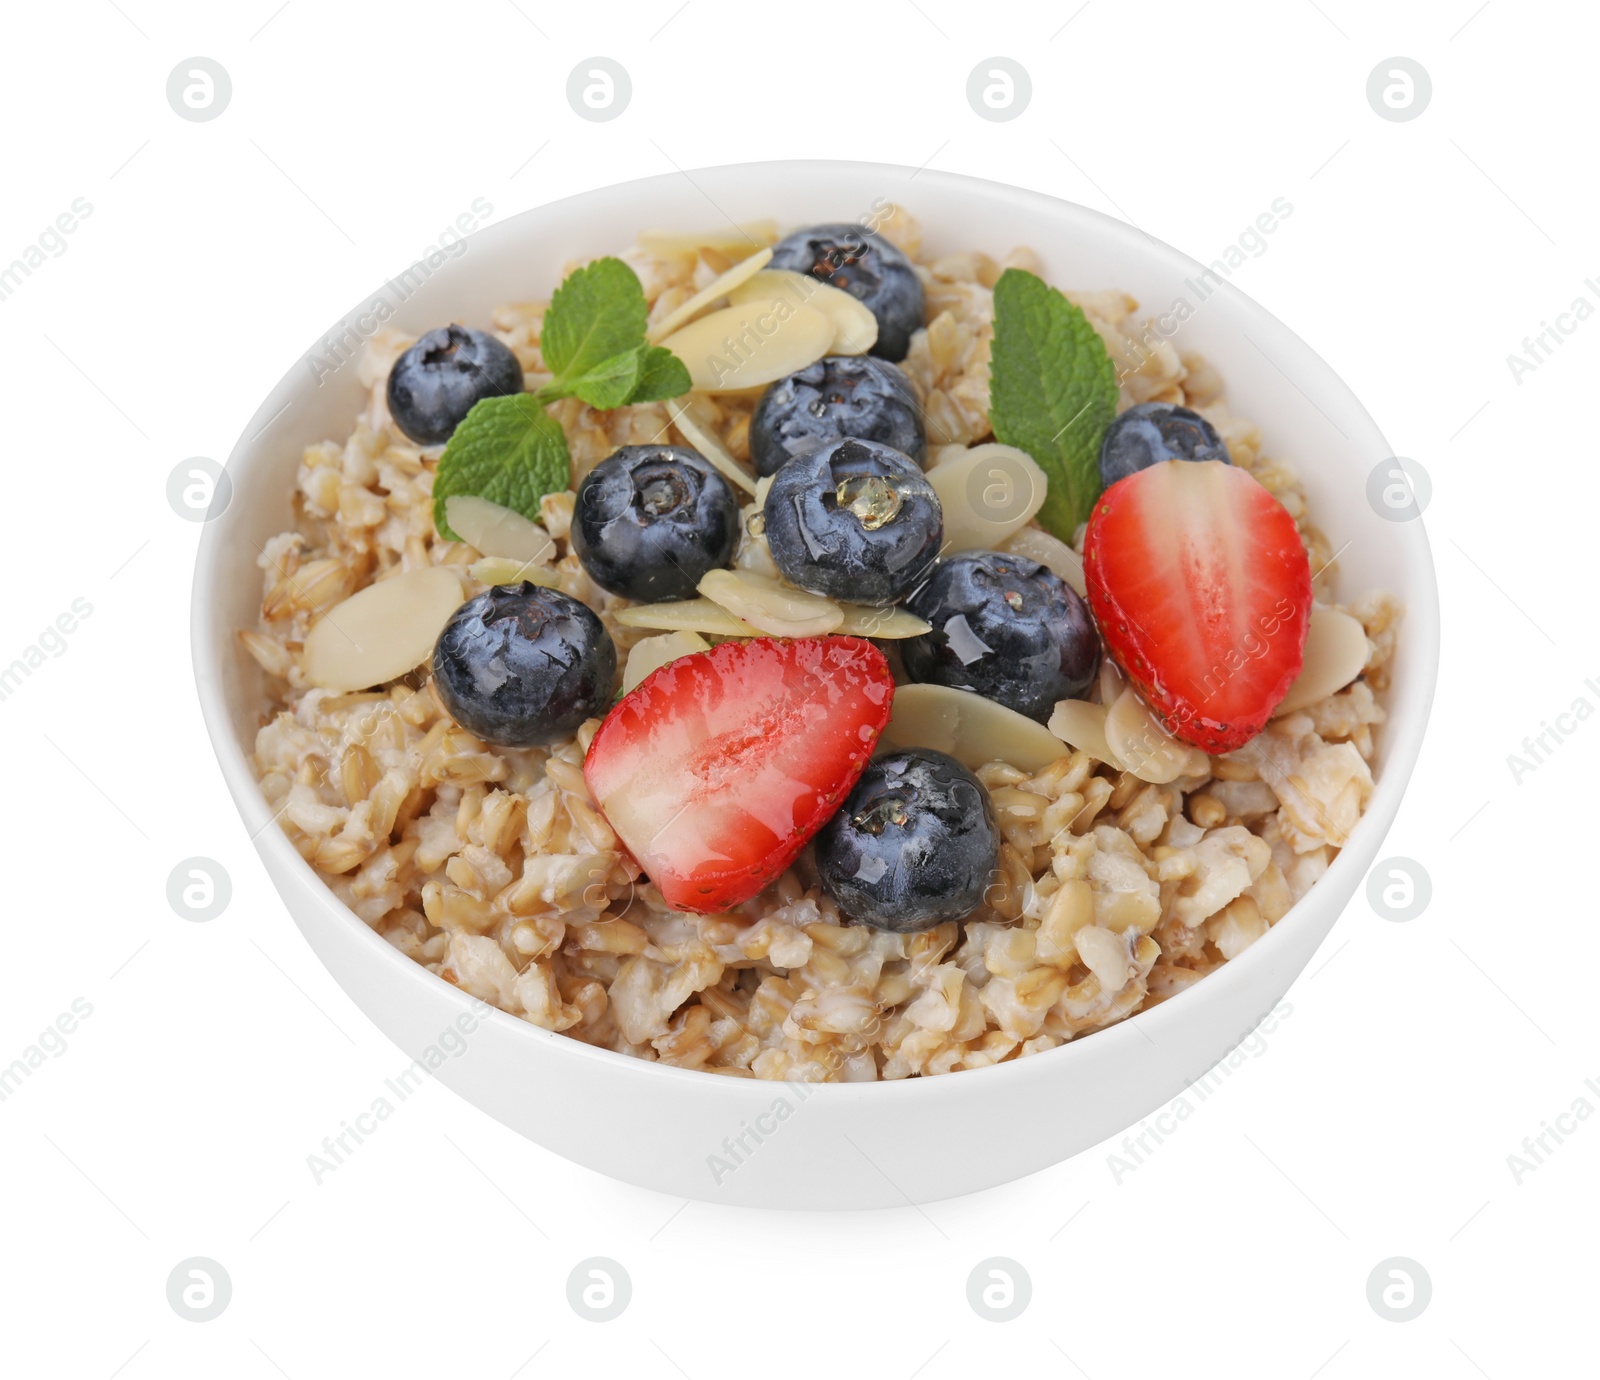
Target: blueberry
[434,384]
[522,665]
[853,520]
[839,395]
[650,521]
[864,264]
[914,844]
[1154,431]
[1006,628]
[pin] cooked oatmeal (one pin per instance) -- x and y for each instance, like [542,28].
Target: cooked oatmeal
[494,868]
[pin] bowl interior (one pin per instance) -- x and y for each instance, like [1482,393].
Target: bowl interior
[1307,417]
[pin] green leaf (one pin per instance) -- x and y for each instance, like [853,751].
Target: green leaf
[593,334]
[508,450]
[661,375]
[608,384]
[1052,393]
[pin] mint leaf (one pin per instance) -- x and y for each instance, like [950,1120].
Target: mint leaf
[593,334]
[508,450]
[608,384]
[1052,393]
[661,375]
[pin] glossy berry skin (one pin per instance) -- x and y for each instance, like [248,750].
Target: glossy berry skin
[839,395]
[853,520]
[522,665]
[1005,628]
[650,521]
[1151,432]
[434,384]
[864,264]
[914,845]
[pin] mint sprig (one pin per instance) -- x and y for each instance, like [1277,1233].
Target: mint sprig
[1052,393]
[662,375]
[510,450]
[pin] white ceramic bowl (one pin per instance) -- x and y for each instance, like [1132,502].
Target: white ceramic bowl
[839,1145]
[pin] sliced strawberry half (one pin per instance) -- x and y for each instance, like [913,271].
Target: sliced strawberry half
[718,767]
[1201,588]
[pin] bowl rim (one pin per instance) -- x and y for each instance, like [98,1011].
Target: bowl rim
[1422,630]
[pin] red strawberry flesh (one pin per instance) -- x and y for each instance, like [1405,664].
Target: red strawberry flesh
[717,768]
[1201,588]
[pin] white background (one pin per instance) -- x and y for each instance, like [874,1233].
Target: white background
[1378,1118]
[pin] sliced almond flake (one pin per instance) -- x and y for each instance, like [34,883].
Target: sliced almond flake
[973,730]
[855,328]
[1111,683]
[383,631]
[1336,653]
[719,287]
[744,238]
[988,495]
[776,609]
[687,615]
[703,441]
[1141,742]
[503,570]
[1083,725]
[866,620]
[750,345]
[497,531]
[1038,545]
[652,653]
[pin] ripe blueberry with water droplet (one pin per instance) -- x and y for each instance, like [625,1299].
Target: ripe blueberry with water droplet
[838,395]
[914,845]
[853,520]
[522,665]
[650,521]
[1006,628]
[435,383]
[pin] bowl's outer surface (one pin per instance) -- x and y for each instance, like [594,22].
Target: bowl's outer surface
[746,1141]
